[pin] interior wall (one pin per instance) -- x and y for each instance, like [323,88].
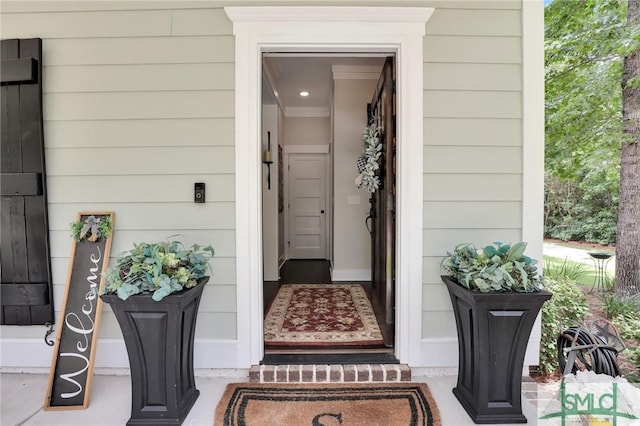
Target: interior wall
[270,234]
[351,246]
[307,130]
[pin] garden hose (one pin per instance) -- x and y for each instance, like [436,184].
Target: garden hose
[591,350]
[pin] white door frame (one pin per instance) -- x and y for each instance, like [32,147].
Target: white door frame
[328,29]
[307,149]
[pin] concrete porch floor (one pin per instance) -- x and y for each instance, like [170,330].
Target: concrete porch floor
[110,403]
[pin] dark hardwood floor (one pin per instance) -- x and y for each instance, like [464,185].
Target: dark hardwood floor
[306,271]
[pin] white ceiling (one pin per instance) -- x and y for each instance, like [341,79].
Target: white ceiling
[293,73]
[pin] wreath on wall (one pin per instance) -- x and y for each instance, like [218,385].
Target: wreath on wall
[368,162]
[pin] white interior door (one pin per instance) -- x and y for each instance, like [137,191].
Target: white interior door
[307,206]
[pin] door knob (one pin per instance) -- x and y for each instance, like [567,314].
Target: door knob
[322,211]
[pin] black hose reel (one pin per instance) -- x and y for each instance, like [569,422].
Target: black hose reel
[595,346]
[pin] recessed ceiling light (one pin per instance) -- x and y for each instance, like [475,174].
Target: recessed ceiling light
[304,93]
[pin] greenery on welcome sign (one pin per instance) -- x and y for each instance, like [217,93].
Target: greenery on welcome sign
[159,268]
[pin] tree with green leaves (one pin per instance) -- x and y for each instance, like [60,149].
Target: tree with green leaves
[591,156]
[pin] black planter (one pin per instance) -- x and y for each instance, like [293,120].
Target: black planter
[159,339]
[493,331]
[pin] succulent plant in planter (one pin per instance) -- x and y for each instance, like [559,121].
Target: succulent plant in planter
[496,294]
[496,267]
[154,291]
[159,268]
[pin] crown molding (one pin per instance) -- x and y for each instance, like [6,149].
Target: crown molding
[329,14]
[356,72]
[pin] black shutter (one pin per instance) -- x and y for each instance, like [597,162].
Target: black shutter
[26,292]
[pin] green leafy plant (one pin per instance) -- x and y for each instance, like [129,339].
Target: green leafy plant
[614,306]
[159,268]
[633,356]
[568,306]
[556,269]
[494,268]
[92,228]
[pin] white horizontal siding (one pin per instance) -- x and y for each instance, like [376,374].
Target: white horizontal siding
[138,105]
[473,159]
[139,50]
[163,216]
[472,215]
[222,240]
[472,77]
[472,187]
[472,131]
[438,324]
[463,22]
[473,49]
[200,22]
[216,325]
[438,241]
[140,189]
[431,268]
[138,78]
[139,161]
[89,24]
[473,143]
[140,133]
[435,297]
[472,104]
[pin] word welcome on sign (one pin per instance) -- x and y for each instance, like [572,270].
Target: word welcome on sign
[77,331]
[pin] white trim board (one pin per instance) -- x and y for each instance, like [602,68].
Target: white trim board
[398,30]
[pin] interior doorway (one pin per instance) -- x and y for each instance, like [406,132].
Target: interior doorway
[307,227]
[305,214]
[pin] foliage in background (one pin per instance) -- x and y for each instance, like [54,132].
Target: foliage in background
[613,306]
[568,306]
[624,313]
[585,42]
[581,211]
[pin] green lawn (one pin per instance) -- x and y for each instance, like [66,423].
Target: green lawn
[582,273]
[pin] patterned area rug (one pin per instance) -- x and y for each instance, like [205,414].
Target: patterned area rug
[324,404]
[321,314]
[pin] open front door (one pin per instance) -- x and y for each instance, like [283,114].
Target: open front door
[382,218]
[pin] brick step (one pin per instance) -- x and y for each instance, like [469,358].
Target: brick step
[330,373]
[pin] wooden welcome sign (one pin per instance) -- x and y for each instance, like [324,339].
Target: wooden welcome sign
[77,334]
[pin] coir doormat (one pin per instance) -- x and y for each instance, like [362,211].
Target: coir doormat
[384,404]
[321,315]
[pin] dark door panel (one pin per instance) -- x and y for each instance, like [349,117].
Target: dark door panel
[382,204]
